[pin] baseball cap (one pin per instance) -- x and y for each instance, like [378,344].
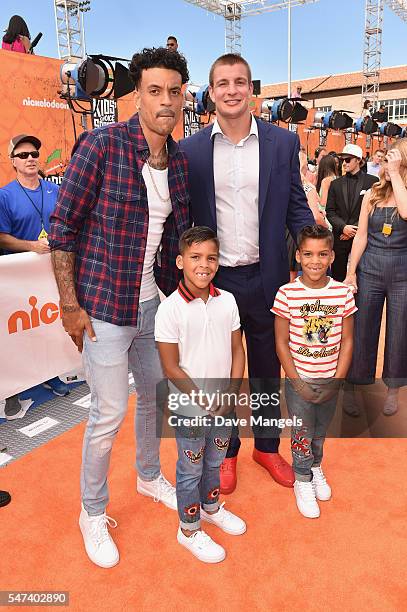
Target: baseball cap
[353,150]
[23,138]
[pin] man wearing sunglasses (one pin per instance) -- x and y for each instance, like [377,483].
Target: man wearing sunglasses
[343,206]
[27,202]
[25,208]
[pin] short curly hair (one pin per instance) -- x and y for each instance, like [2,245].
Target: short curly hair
[157,58]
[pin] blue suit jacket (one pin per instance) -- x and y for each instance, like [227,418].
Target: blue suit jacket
[282,200]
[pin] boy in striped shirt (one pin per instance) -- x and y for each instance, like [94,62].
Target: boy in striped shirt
[314,341]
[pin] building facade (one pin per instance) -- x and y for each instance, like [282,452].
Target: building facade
[343,92]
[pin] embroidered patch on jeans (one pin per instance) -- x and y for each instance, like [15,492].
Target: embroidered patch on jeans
[194,457]
[213,493]
[221,444]
[301,445]
[191,510]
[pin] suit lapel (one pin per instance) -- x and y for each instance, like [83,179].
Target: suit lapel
[267,149]
[206,168]
[346,204]
[359,187]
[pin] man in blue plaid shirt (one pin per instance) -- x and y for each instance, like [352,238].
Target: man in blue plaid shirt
[121,208]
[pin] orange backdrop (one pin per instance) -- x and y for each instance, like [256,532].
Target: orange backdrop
[31,101]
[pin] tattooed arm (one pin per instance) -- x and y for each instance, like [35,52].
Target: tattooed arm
[77,195]
[74,318]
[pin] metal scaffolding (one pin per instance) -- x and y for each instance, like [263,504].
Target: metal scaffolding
[399,7]
[234,11]
[372,51]
[233,28]
[70,30]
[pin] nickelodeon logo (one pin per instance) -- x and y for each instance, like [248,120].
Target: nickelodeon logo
[44,103]
[47,314]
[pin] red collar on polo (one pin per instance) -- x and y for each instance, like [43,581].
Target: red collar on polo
[186,294]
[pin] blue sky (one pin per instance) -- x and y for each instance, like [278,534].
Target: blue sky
[327,37]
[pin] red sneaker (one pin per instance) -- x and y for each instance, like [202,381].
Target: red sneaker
[228,478]
[277,467]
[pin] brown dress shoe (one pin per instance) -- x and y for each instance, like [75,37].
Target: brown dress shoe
[277,467]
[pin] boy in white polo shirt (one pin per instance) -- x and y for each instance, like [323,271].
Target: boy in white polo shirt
[197,329]
[314,341]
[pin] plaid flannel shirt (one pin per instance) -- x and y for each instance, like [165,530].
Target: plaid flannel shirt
[102,216]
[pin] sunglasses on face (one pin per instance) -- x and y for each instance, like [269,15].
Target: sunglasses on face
[347,160]
[26,154]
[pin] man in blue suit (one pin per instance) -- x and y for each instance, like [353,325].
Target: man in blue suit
[245,184]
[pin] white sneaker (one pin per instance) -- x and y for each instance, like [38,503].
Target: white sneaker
[202,546]
[391,404]
[98,543]
[159,489]
[305,498]
[228,522]
[322,489]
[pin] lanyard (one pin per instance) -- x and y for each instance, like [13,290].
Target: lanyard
[40,212]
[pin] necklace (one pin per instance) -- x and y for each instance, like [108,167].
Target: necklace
[39,211]
[163,200]
[387,227]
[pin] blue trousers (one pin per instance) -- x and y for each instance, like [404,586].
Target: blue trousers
[257,323]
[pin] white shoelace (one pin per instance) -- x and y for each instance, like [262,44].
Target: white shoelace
[164,488]
[99,530]
[201,539]
[306,491]
[222,513]
[319,476]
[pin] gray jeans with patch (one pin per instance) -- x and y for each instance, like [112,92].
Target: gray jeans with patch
[307,439]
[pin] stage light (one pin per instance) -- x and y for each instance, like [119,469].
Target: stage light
[288,110]
[203,102]
[190,97]
[337,120]
[319,119]
[95,77]
[265,109]
[390,129]
[366,125]
[281,110]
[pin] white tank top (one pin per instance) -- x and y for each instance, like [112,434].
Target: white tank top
[158,212]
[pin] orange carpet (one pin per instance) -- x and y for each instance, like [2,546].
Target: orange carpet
[351,558]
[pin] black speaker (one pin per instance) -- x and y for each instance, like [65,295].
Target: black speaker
[256,87]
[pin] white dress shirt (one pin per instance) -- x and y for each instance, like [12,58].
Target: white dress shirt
[236,176]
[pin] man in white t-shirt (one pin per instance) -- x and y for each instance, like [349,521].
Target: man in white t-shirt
[124,196]
[314,341]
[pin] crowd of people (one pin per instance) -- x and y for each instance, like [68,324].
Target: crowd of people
[215,222]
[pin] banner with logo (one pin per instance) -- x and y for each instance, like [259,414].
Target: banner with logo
[34,346]
[104,112]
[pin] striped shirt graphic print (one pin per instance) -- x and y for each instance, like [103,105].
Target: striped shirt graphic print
[315,317]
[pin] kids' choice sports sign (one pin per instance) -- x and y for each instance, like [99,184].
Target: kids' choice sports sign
[34,345]
[104,112]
